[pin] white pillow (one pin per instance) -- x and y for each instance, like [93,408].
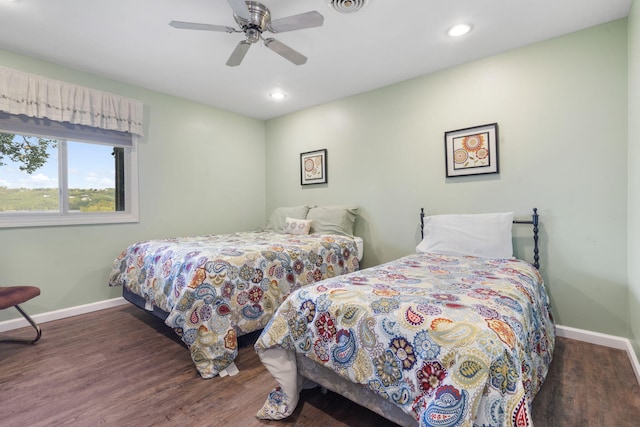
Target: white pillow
[483,235]
[297,226]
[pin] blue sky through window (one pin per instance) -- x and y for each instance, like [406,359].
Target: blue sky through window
[89,166]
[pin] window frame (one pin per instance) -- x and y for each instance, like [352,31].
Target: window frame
[77,133]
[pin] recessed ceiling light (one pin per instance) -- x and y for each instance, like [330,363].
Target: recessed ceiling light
[278,95]
[459,30]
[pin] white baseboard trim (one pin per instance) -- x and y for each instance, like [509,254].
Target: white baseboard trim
[602,339]
[61,314]
[561,331]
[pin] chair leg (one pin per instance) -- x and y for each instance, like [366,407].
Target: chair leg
[31,321]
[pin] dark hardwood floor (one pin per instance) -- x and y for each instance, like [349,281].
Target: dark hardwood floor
[123,367]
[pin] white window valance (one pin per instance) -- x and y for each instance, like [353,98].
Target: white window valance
[36,96]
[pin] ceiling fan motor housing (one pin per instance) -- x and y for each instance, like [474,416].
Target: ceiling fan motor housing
[257,22]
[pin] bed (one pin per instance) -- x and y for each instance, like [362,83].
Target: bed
[458,334]
[214,289]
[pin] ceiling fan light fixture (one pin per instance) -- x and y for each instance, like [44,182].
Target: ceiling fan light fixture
[253,35]
[459,30]
[347,6]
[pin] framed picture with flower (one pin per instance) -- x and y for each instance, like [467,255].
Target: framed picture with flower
[313,167]
[471,151]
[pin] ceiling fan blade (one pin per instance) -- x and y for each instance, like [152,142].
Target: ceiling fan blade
[296,22]
[285,51]
[205,27]
[240,8]
[238,53]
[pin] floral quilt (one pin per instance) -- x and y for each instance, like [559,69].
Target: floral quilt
[217,287]
[451,340]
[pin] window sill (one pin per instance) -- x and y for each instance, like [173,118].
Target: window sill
[55,219]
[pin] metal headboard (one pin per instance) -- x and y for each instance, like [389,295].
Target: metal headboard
[533,221]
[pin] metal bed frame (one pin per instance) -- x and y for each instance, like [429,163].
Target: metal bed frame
[533,221]
[329,380]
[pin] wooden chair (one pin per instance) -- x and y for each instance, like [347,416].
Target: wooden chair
[11,296]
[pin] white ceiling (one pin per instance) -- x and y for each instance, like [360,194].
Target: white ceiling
[385,42]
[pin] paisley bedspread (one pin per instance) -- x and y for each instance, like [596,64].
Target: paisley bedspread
[217,287]
[451,340]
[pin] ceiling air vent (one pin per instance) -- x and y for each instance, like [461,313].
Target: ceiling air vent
[347,6]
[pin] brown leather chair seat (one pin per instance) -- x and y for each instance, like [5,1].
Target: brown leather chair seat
[12,296]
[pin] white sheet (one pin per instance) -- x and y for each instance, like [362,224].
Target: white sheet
[360,244]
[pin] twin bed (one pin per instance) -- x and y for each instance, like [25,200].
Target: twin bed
[458,334]
[212,289]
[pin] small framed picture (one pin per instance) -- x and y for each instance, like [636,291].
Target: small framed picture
[471,151]
[313,167]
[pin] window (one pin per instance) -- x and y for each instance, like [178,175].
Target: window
[61,174]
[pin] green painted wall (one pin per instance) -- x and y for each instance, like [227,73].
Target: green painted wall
[201,170]
[561,106]
[634,173]
[568,138]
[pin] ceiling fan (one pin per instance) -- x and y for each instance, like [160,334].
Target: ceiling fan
[254,19]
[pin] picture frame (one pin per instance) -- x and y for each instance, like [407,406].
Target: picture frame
[313,167]
[471,151]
